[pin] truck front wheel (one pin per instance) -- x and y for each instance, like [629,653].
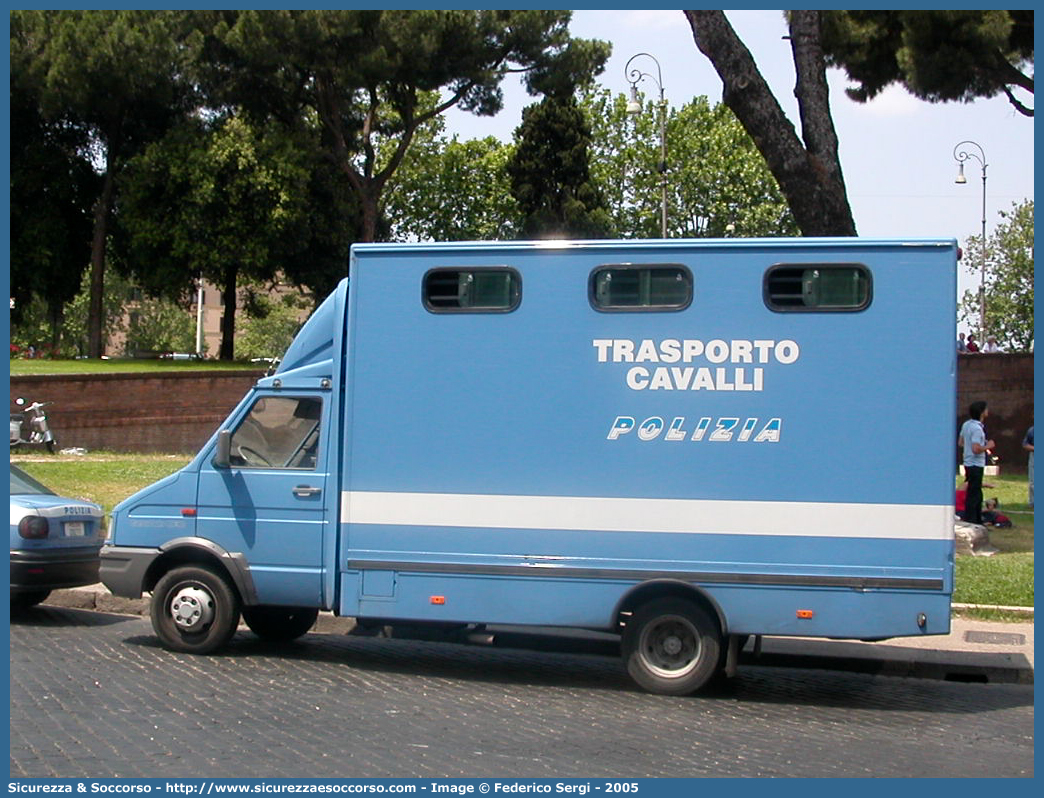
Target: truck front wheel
[280,624]
[671,647]
[194,610]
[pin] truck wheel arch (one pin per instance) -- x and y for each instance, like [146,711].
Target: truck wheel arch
[200,551]
[667,588]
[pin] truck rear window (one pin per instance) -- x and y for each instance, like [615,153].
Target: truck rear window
[641,287]
[480,290]
[818,287]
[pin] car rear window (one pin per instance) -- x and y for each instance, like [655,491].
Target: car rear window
[22,483]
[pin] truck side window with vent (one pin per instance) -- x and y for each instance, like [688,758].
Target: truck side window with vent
[818,287]
[479,290]
[641,287]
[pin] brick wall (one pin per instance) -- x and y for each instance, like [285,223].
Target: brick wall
[1005,383]
[163,412]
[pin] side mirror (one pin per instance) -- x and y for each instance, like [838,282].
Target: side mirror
[223,455]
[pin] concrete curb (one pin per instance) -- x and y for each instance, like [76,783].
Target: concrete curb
[1003,653]
[882,659]
[97,598]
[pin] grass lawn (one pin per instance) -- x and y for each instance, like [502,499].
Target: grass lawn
[106,479]
[22,367]
[1004,579]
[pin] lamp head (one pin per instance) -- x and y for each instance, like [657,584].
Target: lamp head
[960,174]
[634,105]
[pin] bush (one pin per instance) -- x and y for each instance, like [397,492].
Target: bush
[270,325]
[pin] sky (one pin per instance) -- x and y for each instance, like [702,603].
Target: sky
[897,152]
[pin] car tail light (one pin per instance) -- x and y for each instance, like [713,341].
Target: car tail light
[33,527]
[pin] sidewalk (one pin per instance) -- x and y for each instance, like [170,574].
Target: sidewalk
[974,651]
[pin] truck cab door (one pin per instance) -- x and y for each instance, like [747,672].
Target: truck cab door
[268,502]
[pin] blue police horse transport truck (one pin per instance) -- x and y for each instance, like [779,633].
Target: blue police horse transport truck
[682,442]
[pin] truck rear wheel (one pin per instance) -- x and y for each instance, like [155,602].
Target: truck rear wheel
[194,610]
[671,647]
[281,624]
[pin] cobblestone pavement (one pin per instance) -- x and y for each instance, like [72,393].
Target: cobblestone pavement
[93,695]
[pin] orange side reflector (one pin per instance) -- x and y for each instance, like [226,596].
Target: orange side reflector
[438,599]
[805,613]
[188,511]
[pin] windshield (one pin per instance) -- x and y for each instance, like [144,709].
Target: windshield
[22,483]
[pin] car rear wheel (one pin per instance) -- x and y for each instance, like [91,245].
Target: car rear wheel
[671,647]
[194,610]
[280,624]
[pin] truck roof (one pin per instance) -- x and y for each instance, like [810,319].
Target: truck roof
[645,244]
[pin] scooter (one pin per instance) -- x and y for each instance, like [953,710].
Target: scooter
[34,419]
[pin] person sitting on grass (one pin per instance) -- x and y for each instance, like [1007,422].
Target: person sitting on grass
[991,516]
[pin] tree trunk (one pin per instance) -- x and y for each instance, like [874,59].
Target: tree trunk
[56,318]
[95,306]
[370,213]
[813,96]
[228,317]
[809,173]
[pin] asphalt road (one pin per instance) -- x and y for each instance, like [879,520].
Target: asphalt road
[94,696]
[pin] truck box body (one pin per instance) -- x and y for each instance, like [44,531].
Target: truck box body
[551,433]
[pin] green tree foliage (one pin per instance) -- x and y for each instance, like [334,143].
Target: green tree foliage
[52,189]
[348,90]
[550,173]
[271,324]
[222,200]
[716,176]
[1009,280]
[159,325]
[118,75]
[145,324]
[365,75]
[318,242]
[452,190]
[34,326]
[938,56]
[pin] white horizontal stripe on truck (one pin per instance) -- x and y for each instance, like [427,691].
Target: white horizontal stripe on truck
[600,514]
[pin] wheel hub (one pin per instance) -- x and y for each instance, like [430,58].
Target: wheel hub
[672,646]
[192,609]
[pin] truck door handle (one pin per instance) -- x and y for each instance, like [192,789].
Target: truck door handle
[304,491]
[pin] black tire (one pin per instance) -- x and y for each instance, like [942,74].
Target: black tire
[280,624]
[52,446]
[672,647]
[194,610]
[23,601]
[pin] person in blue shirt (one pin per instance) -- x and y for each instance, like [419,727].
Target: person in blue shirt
[975,445]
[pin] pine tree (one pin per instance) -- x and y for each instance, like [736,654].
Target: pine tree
[550,173]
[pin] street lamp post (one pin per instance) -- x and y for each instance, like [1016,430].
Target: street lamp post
[961,155]
[634,106]
[199,317]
